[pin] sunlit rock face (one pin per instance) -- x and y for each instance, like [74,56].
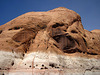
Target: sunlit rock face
[54,39]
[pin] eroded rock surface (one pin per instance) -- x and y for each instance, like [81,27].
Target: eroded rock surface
[54,39]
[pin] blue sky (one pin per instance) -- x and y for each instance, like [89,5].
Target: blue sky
[89,10]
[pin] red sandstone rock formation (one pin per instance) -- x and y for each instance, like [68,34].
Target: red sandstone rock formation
[58,32]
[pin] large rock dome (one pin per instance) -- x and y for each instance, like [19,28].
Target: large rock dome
[54,39]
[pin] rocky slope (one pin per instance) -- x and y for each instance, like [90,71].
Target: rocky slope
[49,40]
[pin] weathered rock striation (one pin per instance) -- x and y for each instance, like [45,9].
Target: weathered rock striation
[54,39]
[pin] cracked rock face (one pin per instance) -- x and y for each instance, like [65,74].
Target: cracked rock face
[45,40]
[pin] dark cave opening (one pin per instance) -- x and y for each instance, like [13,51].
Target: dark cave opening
[0,31]
[57,25]
[92,53]
[42,65]
[73,31]
[52,65]
[12,63]
[15,28]
[30,66]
